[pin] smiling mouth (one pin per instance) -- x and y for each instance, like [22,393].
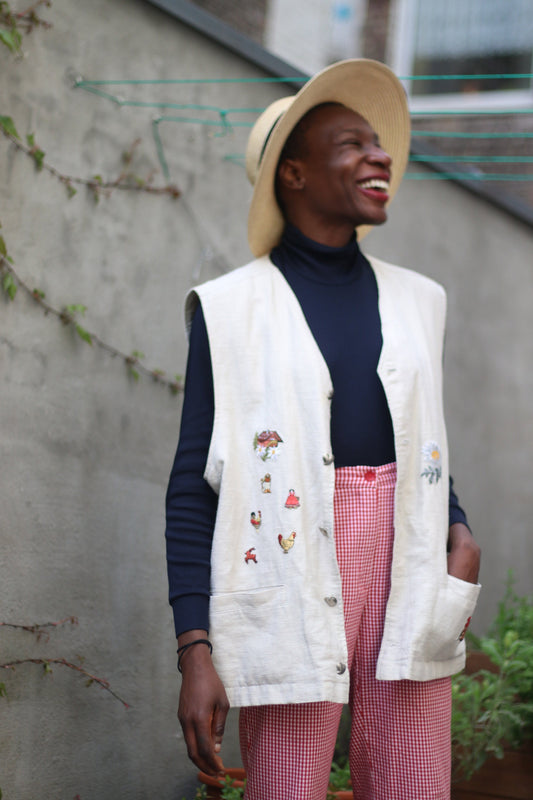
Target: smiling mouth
[375,184]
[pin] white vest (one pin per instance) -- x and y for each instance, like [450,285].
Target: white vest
[276,615]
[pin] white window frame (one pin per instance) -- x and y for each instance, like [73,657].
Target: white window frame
[400,56]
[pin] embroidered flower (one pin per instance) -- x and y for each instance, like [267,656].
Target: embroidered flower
[432,462]
[266,445]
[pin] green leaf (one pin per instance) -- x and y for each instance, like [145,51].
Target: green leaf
[83,334]
[71,191]
[3,248]
[8,126]
[9,286]
[3,693]
[76,308]
[134,374]
[30,138]
[12,39]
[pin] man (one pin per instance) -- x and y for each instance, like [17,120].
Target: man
[323,554]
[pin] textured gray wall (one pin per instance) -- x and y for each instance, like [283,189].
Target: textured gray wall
[86,451]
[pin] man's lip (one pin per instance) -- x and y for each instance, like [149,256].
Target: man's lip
[375,193]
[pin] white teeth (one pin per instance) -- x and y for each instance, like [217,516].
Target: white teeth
[375,183]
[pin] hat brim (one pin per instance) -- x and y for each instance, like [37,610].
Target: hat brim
[365,86]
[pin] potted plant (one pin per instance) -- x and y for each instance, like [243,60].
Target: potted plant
[492,713]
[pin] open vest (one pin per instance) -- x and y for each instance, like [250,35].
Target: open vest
[276,615]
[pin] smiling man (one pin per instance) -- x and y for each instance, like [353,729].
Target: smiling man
[315,373]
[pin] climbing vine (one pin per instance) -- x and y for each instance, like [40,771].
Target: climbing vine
[126,178]
[41,631]
[70,314]
[15,24]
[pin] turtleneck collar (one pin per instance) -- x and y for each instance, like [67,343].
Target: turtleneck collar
[315,261]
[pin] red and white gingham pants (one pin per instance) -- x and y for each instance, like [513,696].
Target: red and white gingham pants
[400,734]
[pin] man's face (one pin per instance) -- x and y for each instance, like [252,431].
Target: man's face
[344,172]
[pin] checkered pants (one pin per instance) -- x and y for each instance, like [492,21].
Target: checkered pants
[400,730]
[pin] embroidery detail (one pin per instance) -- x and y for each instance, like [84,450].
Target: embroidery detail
[463,632]
[266,444]
[432,463]
[265,484]
[250,556]
[255,519]
[286,544]
[292,501]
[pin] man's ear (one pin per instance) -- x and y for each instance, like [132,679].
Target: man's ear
[290,174]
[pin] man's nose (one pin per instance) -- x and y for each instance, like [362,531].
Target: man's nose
[379,156]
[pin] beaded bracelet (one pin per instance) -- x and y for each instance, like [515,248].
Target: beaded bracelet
[181,650]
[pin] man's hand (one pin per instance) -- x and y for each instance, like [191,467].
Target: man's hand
[464,554]
[203,705]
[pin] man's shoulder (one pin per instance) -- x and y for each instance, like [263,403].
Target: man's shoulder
[409,278]
[248,273]
[232,287]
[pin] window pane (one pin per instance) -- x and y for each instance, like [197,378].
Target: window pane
[472,36]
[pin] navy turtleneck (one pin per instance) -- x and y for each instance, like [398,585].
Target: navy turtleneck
[337,291]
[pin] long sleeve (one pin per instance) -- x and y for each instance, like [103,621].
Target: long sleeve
[191,504]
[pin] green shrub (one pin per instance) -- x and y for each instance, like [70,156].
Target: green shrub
[494,709]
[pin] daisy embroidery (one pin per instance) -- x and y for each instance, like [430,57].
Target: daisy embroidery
[266,444]
[432,462]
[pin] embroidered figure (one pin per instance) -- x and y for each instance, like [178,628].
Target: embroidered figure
[292,501]
[463,632]
[250,556]
[255,519]
[266,444]
[265,484]
[432,462]
[286,544]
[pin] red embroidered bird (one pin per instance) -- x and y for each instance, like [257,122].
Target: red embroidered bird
[255,519]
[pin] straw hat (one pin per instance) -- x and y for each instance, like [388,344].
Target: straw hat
[367,87]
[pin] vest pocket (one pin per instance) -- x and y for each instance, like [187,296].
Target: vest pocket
[456,601]
[253,635]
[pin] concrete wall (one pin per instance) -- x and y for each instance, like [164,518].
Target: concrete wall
[86,450]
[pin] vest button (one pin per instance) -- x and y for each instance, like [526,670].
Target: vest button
[331,601]
[323,531]
[341,668]
[328,459]
[370,475]
[330,394]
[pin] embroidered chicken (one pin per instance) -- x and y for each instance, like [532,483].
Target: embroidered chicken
[255,519]
[286,544]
